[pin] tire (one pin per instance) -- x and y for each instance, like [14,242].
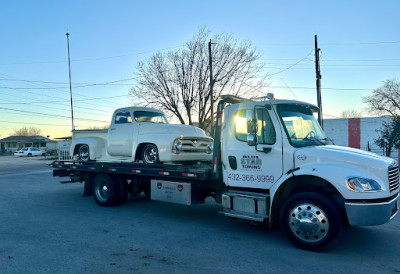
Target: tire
[135,187]
[106,190]
[150,154]
[147,189]
[123,190]
[310,220]
[43,154]
[29,154]
[83,153]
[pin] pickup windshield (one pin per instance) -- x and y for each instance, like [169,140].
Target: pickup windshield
[301,126]
[151,117]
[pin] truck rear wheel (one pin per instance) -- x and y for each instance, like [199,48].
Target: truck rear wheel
[106,190]
[83,153]
[310,220]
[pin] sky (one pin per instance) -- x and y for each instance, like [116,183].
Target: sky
[359,41]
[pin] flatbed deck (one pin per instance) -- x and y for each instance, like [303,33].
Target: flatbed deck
[197,172]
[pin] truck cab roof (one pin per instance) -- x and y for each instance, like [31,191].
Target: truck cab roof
[133,109]
[230,99]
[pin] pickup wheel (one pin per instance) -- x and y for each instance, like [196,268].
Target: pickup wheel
[310,220]
[150,154]
[106,190]
[83,153]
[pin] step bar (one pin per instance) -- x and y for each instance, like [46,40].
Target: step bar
[246,205]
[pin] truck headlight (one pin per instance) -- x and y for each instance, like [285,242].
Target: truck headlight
[362,185]
[178,146]
[210,147]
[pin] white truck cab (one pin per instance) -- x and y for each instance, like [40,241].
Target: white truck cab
[275,150]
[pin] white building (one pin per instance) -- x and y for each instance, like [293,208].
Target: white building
[357,133]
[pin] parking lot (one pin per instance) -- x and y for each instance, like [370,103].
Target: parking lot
[49,227]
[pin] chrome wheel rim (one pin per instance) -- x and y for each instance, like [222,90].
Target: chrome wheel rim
[308,222]
[102,191]
[150,155]
[84,153]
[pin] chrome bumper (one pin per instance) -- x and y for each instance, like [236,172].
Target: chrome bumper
[364,213]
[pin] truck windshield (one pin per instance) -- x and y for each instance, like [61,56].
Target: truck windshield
[301,126]
[151,117]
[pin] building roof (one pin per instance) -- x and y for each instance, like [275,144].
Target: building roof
[13,139]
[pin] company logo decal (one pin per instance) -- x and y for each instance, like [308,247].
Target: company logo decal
[251,162]
[302,157]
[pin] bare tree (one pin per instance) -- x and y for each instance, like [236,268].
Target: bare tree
[386,99]
[178,81]
[352,113]
[27,131]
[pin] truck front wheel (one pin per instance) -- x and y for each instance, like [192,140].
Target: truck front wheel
[310,220]
[106,190]
[150,154]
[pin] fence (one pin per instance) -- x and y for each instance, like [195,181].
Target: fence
[64,155]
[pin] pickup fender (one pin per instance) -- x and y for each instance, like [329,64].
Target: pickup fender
[96,145]
[163,142]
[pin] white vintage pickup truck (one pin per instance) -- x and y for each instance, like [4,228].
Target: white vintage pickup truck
[139,134]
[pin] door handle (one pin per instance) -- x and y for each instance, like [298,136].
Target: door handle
[267,149]
[232,162]
[113,128]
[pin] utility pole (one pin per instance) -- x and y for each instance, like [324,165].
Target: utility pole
[318,82]
[70,85]
[211,87]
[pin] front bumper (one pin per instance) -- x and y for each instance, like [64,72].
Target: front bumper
[372,213]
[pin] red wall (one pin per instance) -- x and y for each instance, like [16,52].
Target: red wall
[354,132]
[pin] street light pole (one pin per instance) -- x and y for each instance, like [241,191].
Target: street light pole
[70,85]
[211,87]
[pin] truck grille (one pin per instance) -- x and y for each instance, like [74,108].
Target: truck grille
[393,173]
[198,145]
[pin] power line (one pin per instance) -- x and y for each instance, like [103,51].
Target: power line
[27,123]
[81,100]
[292,64]
[87,59]
[48,95]
[51,115]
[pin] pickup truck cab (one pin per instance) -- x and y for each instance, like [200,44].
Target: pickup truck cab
[142,134]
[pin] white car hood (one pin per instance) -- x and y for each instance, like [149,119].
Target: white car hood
[368,162]
[179,130]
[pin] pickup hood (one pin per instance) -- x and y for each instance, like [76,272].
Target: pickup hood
[344,161]
[178,130]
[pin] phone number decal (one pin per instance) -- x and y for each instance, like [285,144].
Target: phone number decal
[251,178]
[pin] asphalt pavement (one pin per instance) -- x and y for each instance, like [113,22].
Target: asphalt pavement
[48,227]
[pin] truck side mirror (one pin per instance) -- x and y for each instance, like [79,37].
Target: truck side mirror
[252,140]
[251,125]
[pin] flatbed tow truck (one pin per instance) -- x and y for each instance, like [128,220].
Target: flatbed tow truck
[271,163]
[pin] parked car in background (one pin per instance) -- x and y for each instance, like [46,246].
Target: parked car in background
[29,152]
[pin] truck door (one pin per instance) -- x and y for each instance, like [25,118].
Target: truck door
[257,166]
[120,135]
